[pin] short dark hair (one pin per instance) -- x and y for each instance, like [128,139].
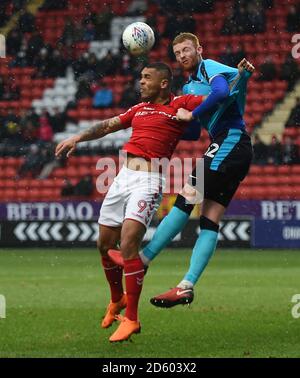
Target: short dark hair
[163,68]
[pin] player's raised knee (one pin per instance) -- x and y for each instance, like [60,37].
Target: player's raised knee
[129,248]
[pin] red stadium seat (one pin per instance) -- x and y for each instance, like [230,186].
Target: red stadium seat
[83,171]
[295,180]
[272,192]
[296,193]
[12,162]
[9,183]
[71,172]
[256,170]
[259,192]
[22,184]
[47,183]
[295,169]
[34,184]
[46,194]
[85,102]
[284,180]
[25,104]
[37,92]
[10,194]
[84,113]
[271,180]
[94,160]
[73,113]
[26,94]
[34,194]
[22,195]
[87,160]
[290,132]
[57,182]
[9,172]
[59,173]
[269,169]
[286,192]
[253,180]
[284,169]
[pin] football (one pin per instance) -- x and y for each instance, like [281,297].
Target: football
[138,38]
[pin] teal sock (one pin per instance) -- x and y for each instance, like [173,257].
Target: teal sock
[168,228]
[202,252]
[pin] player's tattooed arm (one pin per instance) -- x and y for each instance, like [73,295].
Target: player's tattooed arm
[99,130]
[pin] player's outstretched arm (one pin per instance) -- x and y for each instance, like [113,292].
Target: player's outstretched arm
[219,92]
[99,130]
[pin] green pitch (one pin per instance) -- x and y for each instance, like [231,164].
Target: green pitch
[242,308]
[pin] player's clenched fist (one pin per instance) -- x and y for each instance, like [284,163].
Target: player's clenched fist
[184,115]
[67,145]
[245,65]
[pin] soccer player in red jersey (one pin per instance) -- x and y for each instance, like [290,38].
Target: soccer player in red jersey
[136,192]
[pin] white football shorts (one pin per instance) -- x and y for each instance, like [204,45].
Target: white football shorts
[133,195]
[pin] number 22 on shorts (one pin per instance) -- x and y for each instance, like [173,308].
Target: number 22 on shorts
[212,149]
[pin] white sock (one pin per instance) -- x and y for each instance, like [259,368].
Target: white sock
[185,284]
[144,258]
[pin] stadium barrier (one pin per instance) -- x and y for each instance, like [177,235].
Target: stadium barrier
[234,232]
[248,223]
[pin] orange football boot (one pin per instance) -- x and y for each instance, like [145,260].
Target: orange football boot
[113,309]
[126,328]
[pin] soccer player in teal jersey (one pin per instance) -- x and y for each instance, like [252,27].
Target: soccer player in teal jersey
[226,162]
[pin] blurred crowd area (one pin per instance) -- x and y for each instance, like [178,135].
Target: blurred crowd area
[276,153]
[27,47]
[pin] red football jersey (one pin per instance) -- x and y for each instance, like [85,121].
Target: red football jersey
[155,130]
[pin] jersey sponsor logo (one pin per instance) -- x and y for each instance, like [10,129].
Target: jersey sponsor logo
[151,112]
[133,108]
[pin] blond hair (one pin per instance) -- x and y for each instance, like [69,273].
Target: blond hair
[186,36]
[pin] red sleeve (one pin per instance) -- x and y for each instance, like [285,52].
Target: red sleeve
[126,118]
[192,101]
